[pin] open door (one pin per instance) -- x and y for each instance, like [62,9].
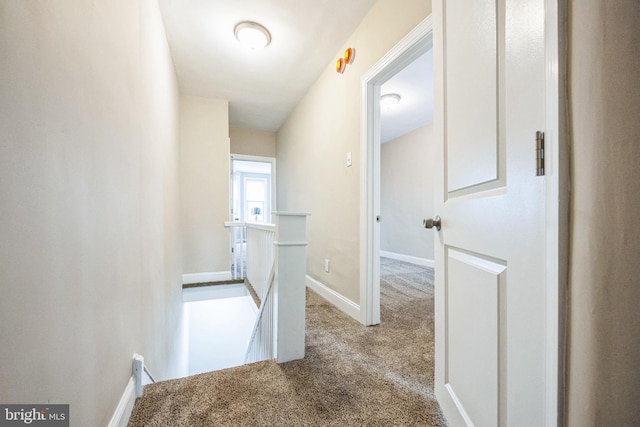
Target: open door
[491,321]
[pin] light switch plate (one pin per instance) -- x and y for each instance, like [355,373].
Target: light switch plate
[349,162]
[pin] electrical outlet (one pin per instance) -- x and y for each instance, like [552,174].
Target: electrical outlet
[326,265]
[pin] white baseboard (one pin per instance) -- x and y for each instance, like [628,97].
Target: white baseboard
[425,262]
[215,276]
[122,413]
[341,302]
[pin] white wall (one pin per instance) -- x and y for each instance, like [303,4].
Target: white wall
[90,248]
[604,321]
[253,142]
[406,193]
[204,160]
[313,143]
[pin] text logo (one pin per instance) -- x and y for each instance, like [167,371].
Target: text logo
[34,415]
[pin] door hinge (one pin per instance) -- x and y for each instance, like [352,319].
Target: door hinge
[539,153]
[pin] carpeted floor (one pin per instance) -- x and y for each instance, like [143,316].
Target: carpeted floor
[352,375]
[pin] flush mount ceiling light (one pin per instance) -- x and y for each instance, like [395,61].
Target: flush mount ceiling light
[389,101]
[252,35]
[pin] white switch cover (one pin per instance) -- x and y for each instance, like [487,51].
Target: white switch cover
[326,265]
[349,162]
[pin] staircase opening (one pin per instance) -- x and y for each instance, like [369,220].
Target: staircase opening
[243,321]
[219,320]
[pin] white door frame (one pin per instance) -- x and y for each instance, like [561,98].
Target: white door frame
[418,41]
[557,209]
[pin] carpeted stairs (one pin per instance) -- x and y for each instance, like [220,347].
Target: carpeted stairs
[352,375]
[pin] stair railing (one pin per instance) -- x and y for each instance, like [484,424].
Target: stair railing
[238,242]
[262,342]
[279,331]
[260,256]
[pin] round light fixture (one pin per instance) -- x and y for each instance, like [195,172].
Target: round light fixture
[389,101]
[252,35]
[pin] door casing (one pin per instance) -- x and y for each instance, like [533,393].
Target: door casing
[416,43]
[261,159]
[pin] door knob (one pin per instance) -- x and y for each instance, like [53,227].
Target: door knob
[432,222]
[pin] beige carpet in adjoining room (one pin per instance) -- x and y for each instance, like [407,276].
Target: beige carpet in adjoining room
[352,375]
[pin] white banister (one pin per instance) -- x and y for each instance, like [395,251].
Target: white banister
[276,268]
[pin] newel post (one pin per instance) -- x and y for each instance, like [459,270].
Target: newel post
[290,297]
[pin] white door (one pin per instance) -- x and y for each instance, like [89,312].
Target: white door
[490,260]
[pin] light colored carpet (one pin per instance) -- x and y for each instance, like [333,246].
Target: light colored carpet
[352,375]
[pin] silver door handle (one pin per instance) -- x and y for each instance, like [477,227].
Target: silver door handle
[432,222]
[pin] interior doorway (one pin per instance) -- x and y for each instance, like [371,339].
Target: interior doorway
[407,155]
[413,46]
[252,188]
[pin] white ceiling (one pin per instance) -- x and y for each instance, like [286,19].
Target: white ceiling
[264,86]
[415,85]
